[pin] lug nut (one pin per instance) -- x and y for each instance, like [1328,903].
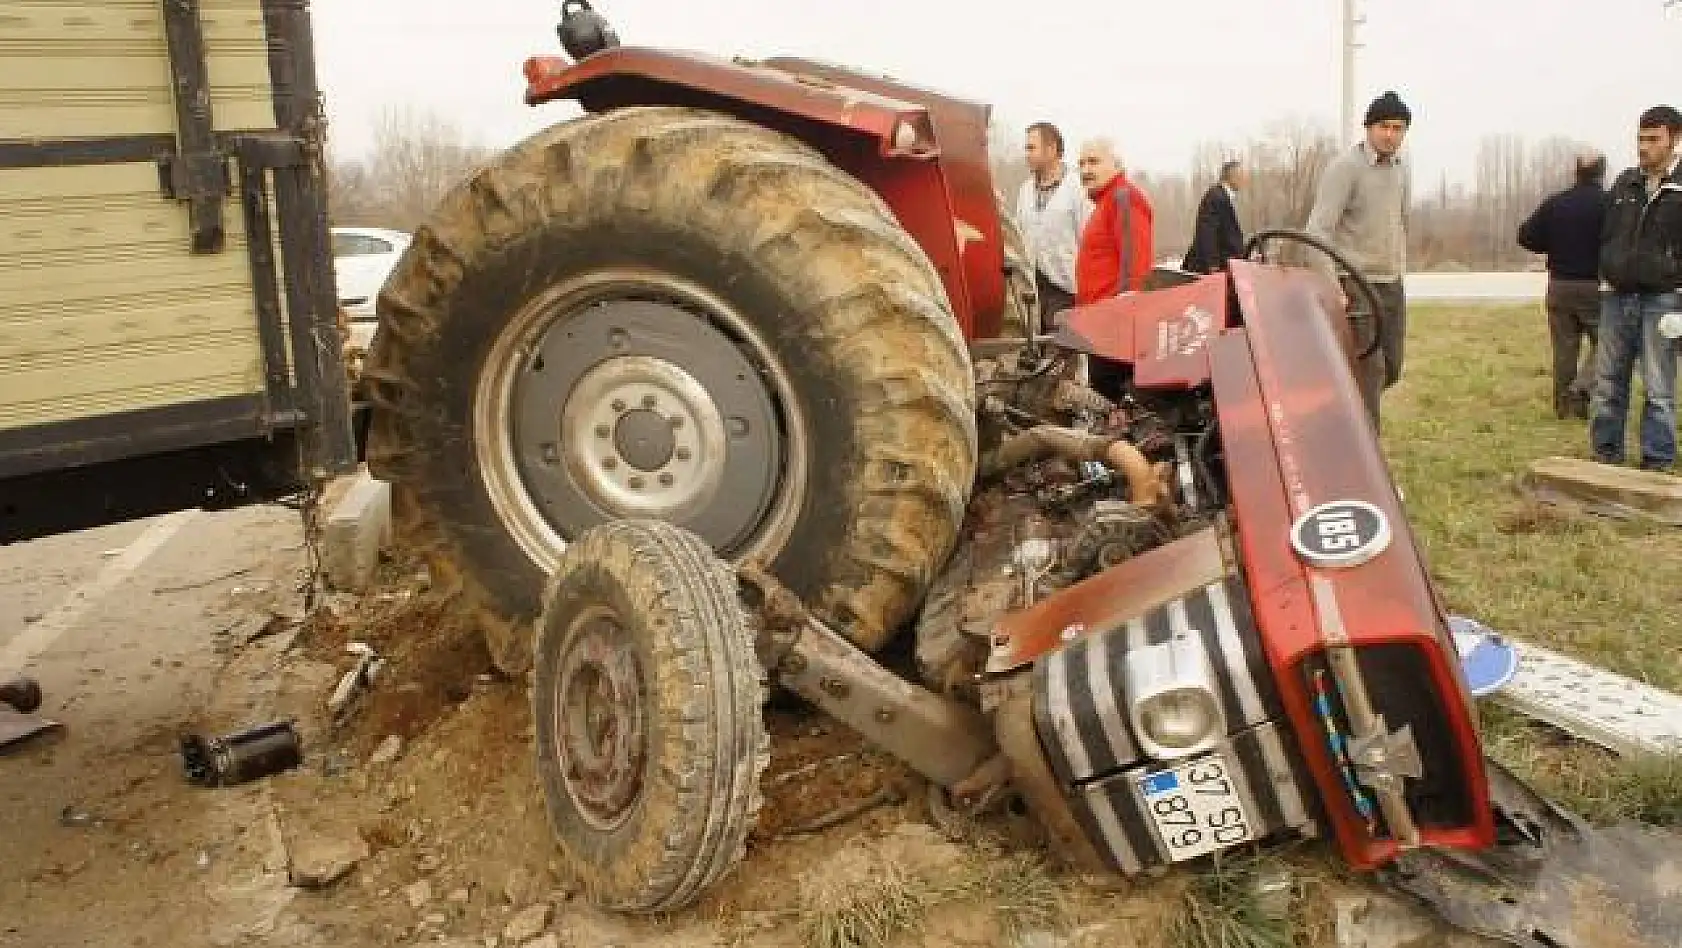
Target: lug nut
[676,422]
[666,480]
[682,454]
[649,401]
[619,404]
[603,431]
[636,483]
[609,463]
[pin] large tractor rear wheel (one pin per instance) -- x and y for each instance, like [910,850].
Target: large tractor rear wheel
[670,314]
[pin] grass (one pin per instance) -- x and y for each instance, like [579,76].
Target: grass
[1224,907]
[858,910]
[1473,410]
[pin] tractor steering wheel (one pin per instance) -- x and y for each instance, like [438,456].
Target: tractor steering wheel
[1362,285]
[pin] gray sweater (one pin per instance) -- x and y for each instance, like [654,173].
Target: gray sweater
[1361,208]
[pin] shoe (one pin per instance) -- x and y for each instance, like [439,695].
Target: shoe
[1657,468]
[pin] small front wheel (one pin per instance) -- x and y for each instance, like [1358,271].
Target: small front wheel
[648,708]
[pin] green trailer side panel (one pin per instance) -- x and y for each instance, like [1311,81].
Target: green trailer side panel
[100,68]
[103,310]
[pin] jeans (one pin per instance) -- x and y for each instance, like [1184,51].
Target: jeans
[1386,332]
[1629,332]
[1573,312]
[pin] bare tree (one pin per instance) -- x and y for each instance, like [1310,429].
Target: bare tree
[416,159]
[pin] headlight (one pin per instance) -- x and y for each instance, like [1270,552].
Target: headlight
[1173,698]
[1178,720]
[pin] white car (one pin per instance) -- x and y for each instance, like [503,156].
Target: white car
[363,258]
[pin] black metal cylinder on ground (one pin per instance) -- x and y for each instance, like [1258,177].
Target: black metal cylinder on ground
[242,757]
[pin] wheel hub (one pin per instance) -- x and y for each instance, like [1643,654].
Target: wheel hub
[600,726]
[633,408]
[644,439]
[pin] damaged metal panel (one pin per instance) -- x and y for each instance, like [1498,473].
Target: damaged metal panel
[1553,881]
[1618,713]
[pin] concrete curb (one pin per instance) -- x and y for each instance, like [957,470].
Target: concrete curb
[357,529]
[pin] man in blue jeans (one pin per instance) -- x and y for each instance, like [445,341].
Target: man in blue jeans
[1641,262]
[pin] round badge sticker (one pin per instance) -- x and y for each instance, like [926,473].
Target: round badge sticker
[1341,533]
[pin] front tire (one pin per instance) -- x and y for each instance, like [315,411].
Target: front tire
[648,711]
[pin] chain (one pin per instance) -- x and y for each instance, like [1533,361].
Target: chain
[312,582]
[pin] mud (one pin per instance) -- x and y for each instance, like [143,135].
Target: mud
[449,842]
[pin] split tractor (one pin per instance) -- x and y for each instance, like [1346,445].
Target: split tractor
[740,375]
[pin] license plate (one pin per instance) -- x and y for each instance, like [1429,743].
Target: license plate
[1196,808]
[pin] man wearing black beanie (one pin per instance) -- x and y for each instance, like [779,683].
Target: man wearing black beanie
[1361,208]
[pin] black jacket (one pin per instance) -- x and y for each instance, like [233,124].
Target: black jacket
[1217,236]
[1567,226]
[1641,243]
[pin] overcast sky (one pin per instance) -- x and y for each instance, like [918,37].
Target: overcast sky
[1157,76]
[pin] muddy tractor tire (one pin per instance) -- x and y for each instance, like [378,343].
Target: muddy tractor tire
[648,705]
[670,314]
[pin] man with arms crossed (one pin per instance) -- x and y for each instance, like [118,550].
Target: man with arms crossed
[1641,260]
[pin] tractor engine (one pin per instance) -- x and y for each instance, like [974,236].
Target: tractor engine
[1071,485]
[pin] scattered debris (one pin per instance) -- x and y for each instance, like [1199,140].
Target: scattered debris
[219,577]
[242,757]
[886,796]
[315,862]
[544,941]
[22,693]
[1621,714]
[360,676]
[1606,489]
[74,816]
[418,893]
[15,728]
[387,751]
[458,896]
[1373,920]
[527,924]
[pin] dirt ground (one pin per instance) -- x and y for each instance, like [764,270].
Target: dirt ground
[107,844]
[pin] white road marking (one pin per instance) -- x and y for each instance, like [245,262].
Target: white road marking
[40,636]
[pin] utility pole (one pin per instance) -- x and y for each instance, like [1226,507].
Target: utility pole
[1346,130]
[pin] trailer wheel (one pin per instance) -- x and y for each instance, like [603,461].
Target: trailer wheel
[648,709]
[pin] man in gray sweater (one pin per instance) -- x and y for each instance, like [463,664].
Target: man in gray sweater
[1361,208]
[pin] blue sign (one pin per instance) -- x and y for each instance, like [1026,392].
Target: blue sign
[1489,660]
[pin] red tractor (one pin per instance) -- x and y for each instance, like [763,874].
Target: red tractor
[740,375]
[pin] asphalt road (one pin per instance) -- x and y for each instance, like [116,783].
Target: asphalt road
[122,626]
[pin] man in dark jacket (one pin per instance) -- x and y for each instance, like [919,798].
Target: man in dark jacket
[1217,236]
[1641,260]
[1566,227]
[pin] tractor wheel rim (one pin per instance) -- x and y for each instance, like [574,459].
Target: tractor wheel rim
[600,723]
[643,437]
[627,393]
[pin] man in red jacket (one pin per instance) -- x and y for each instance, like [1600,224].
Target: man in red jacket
[1116,248]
